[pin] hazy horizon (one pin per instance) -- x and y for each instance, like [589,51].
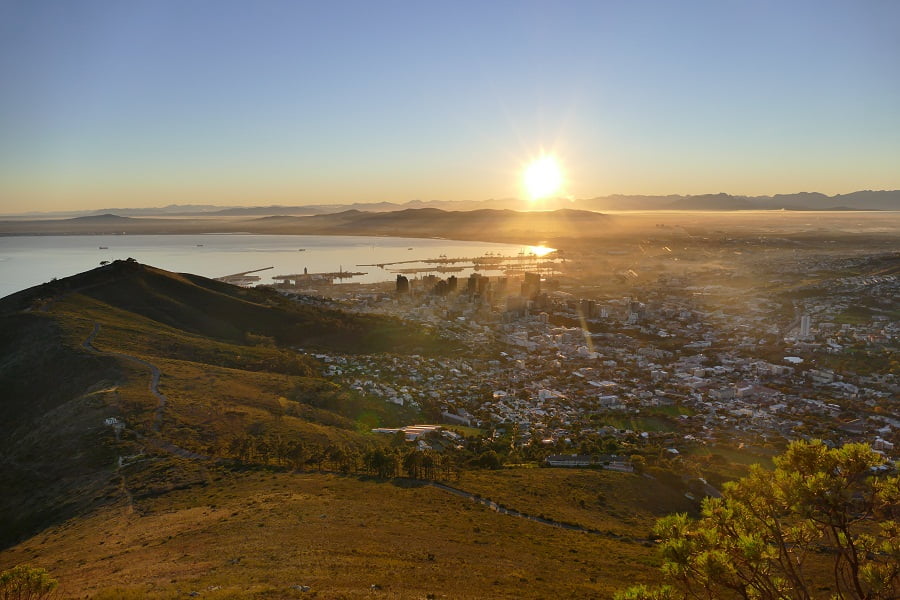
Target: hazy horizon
[152,104]
[517,204]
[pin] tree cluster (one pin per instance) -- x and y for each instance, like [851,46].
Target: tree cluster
[821,525]
[381,461]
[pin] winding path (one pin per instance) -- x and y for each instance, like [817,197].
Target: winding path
[155,375]
[503,510]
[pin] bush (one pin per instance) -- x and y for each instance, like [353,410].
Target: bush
[759,539]
[25,582]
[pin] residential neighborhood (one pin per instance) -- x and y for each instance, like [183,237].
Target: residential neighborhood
[680,362]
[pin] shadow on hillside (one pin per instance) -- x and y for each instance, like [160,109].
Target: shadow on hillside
[408,483]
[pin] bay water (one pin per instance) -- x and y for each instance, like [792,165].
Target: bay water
[26,261]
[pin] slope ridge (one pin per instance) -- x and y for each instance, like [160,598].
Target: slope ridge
[108,343]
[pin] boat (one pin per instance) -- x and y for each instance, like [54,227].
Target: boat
[409,248]
[301,250]
[104,247]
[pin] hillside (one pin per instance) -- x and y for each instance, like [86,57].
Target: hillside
[263,534]
[81,349]
[219,310]
[159,435]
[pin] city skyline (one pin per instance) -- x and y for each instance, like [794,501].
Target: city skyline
[150,104]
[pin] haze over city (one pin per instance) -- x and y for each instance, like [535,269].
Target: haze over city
[517,299]
[228,103]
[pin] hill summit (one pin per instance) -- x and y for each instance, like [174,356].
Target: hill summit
[181,361]
[215,309]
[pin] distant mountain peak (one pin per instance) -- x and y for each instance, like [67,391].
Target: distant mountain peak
[105,217]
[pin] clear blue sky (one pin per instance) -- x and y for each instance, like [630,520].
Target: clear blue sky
[147,103]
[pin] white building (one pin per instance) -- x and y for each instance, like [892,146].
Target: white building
[805,323]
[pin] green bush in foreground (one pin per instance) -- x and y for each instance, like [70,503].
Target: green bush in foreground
[24,582]
[820,525]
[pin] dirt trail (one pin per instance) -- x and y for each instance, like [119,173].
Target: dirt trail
[173,449]
[155,375]
[503,510]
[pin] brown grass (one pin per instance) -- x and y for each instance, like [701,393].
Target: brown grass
[253,535]
[623,504]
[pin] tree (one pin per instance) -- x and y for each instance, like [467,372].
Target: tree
[25,582]
[821,525]
[412,463]
[382,463]
[490,460]
[639,463]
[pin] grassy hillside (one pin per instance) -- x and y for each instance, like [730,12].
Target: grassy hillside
[222,311]
[177,499]
[226,367]
[256,534]
[52,401]
[606,501]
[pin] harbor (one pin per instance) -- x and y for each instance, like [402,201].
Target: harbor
[243,278]
[306,278]
[507,264]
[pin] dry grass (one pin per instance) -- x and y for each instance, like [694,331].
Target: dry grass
[254,535]
[163,527]
[623,504]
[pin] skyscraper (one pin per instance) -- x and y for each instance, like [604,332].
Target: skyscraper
[531,286]
[804,326]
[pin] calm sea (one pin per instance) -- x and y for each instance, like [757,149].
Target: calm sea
[27,261]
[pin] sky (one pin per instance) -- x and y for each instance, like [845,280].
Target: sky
[142,103]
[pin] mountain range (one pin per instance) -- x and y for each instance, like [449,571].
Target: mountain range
[491,224]
[860,200]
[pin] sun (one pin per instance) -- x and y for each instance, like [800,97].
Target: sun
[542,178]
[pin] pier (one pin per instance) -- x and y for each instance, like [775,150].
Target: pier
[243,278]
[440,269]
[298,279]
[510,265]
[487,259]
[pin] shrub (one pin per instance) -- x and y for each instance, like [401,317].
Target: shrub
[24,582]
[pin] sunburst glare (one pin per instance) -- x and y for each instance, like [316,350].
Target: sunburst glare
[542,178]
[540,251]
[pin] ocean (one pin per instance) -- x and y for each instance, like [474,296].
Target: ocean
[26,261]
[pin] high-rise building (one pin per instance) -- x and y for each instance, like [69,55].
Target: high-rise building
[402,285]
[531,286]
[805,323]
[440,288]
[472,284]
[635,312]
[428,282]
[587,308]
[484,285]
